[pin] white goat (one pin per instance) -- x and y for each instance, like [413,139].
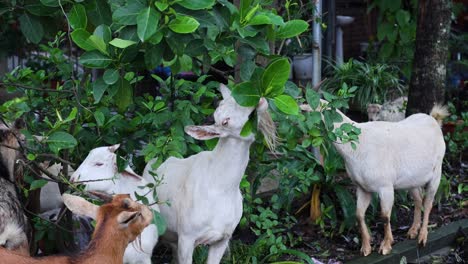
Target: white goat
[395,155]
[99,173]
[203,189]
[392,111]
[50,197]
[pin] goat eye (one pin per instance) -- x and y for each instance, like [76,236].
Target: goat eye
[98,164]
[225,121]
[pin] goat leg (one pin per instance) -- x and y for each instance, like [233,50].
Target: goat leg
[363,201]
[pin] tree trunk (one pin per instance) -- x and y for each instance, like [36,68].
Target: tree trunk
[427,84]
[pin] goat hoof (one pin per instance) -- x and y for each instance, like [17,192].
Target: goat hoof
[385,249]
[412,234]
[366,250]
[422,238]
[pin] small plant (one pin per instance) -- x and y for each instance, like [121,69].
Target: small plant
[375,82]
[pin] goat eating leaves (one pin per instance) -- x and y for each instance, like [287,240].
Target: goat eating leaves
[117,224]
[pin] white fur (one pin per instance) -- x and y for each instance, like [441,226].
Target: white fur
[100,164]
[203,189]
[395,155]
[13,234]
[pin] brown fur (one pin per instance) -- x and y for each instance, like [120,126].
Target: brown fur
[109,241]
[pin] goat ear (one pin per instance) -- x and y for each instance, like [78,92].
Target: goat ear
[224,91]
[203,132]
[113,148]
[80,206]
[130,173]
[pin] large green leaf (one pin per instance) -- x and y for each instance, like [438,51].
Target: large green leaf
[31,27]
[111,76]
[99,88]
[286,104]
[61,140]
[183,24]
[103,31]
[196,4]
[94,59]
[99,12]
[38,9]
[98,43]
[313,98]
[153,56]
[77,16]
[347,205]
[147,23]
[121,43]
[292,28]
[52,3]
[275,77]
[160,222]
[124,94]
[246,94]
[127,15]
[80,37]
[403,17]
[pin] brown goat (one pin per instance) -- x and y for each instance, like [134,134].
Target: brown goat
[118,223]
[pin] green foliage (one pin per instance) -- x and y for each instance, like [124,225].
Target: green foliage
[372,82]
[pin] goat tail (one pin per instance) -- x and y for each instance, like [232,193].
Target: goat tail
[439,113]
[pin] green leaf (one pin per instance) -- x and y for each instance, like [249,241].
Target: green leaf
[153,56]
[383,30]
[402,17]
[246,94]
[161,6]
[313,98]
[247,128]
[260,19]
[99,88]
[94,59]
[111,76]
[274,78]
[286,104]
[124,94]
[77,17]
[52,3]
[127,15]
[103,31]
[386,50]
[31,28]
[183,24]
[347,205]
[121,43]
[98,43]
[37,184]
[61,140]
[100,118]
[292,28]
[159,221]
[147,23]
[37,9]
[80,37]
[99,12]
[196,4]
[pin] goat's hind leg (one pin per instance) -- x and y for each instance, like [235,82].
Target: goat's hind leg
[185,247]
[431,190]
[417,198]
[386,203]
[363,201]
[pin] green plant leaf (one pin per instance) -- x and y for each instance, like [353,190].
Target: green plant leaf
[61,140]
[99,12]
[127,15]
[124,95]
[246,94]
[313,98]
[31,28]
[161,6]
[147,23]
[94,59]
[260,19]
[103,31]
[100,118]
[274,78]
[99,88]
[52,3]
[286,104]
[247,128]
[153,56]
[77,17]
[384,29]
[159,221]
[403,17]
[98,43]
[121,43]
[347,205]
[37,184]
[111,76]
[196,4]
[80,37]
[183,24]
[292,28]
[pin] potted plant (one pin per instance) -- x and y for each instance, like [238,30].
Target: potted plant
[376,82]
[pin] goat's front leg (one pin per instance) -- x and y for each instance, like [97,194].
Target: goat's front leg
[416,194]
[216,251]
[431,190]
[386,204]
[363,201]
[185,247]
